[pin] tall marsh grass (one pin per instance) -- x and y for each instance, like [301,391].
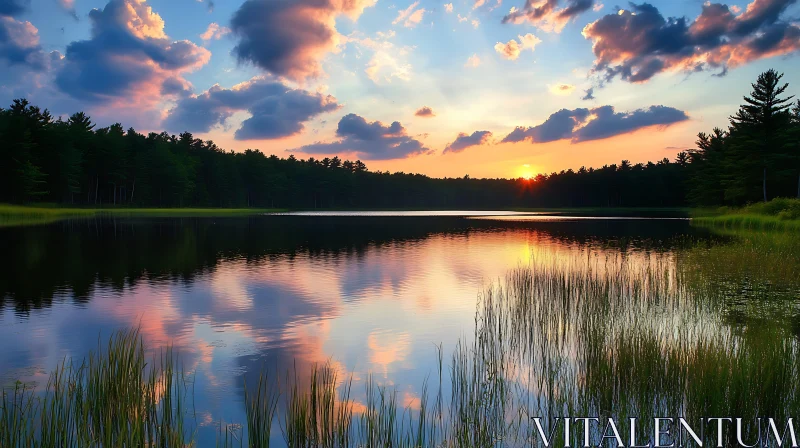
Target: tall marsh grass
[115,398]
[598,336]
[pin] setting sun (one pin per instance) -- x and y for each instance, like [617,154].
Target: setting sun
[526,172]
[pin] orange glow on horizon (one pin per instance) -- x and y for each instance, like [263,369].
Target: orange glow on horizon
[525,172]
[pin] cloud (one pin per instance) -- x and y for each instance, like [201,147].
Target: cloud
[562,89]
[387,61]
[25,68]
[580,125]
[369,140]
[276,110]
[290,37]
[425,111]
[128,58]
[409,16]
[478,3]
[473,61]
[19,45]
[589,94]
[448,7]
[383,67]
[512,48]
[68,6]
[13,7]
[214,31]
[558,126]
[547,15]
[209,4]
[476,23]
[639,43]
[464,141]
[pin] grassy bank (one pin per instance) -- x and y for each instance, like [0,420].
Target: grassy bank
[19,215]
[779,214]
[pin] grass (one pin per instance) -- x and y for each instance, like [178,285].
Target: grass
[115,398]
[596,336]
[780,214]
[13,215]
[19,215]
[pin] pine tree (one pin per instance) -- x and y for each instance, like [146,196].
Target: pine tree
[794,143]
[708,178]
[760,125]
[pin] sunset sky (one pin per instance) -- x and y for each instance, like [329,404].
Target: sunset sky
[489,88]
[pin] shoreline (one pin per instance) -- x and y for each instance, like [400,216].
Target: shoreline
[21,215]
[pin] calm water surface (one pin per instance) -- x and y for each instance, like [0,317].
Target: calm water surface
[371,292]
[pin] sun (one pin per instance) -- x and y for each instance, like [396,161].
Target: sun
[526,172]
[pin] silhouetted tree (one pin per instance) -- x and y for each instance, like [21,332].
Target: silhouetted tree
[757,158]
[759,126]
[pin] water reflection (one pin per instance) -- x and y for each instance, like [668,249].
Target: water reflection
[372,294]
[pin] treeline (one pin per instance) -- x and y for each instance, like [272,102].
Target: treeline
[44,159]
[758,157]
[47,159]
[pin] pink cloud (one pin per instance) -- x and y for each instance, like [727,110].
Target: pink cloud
[290,37]
[639,43]
[129,62]
[214,31]
[547,15]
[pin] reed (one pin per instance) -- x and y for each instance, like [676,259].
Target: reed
[596,336]
[114,398]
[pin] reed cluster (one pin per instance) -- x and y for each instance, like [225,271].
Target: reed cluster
[597,336]
[115,398]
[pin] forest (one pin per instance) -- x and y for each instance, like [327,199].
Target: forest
[46,159]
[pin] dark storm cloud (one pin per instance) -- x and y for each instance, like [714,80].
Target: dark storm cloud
[582,124]
[289,37]
[638,43]
[276,110]
[369,140]
[548,14]
[128,57]
[464,141]
[13,7]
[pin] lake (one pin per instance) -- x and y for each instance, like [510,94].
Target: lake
[380,297]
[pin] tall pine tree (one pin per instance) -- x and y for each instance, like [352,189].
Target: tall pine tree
[760,128]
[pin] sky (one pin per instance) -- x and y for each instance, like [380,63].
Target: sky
[485,88]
